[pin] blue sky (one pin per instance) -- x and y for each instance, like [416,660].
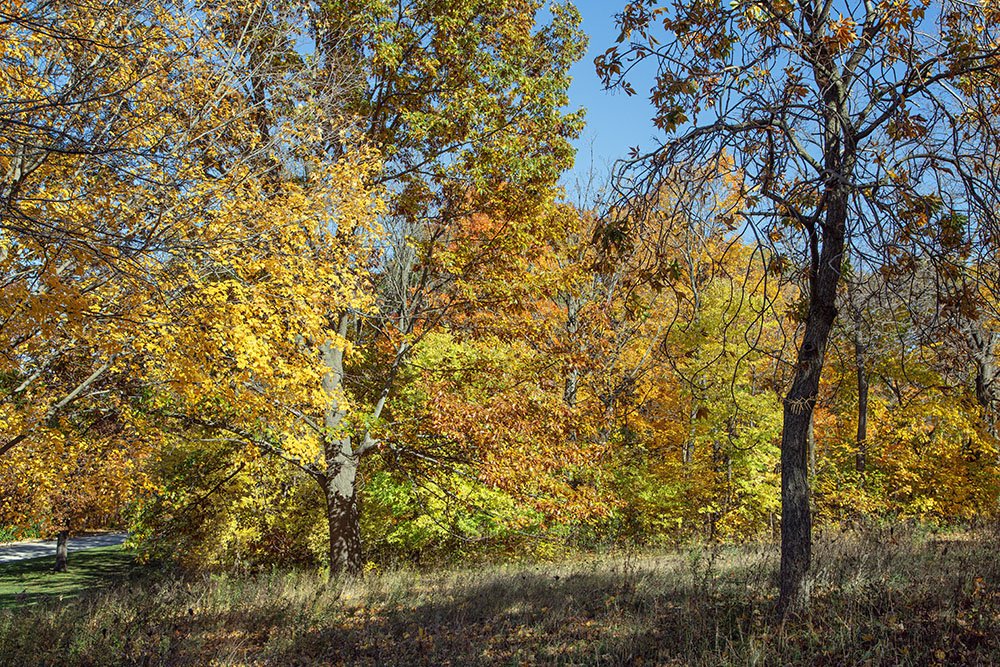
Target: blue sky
[615,122]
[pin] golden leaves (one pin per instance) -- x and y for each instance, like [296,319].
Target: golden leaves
[254,312]
[841,34]
[163,243]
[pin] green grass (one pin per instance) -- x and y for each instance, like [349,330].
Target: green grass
[878,598]
[31,581]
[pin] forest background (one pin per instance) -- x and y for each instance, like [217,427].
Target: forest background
[297,283]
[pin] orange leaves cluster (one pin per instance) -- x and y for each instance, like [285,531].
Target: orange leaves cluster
[495,407]
[842,33]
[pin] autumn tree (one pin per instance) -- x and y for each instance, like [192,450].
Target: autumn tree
[117,120]
[960,333]
[69,129]
[857,127]
[463,103]
[648,329]
[168,232]
[105,112]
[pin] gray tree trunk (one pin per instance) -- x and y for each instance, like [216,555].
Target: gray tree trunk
[342,454]
[339,480]
[343,518]
[61,550]
[861,446]
[984,357]
[572,381]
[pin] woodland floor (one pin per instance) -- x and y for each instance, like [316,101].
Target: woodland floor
[881,597]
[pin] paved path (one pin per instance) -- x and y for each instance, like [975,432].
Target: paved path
[23,550]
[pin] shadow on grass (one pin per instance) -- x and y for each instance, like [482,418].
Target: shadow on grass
[530,617]
[604,619]
[534,618]
[873,604]
[33,580]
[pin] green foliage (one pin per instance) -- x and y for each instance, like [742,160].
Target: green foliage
[12,533]
[449,520]
[461,96]
[220,508]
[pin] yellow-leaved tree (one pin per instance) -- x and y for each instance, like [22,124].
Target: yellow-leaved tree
[171,238]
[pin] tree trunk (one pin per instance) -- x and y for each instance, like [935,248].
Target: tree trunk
[687,447]
[570,387]
[984,357]
[573,305]
[343,519]
[339,479]
[861,451]
[796,519]
[61,550]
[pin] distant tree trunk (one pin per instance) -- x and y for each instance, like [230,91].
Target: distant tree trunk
[570,387]
[687,447]
[861,446]
[61,550]
[572,381]
[983,345]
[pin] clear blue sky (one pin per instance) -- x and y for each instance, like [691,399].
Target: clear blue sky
[615,122]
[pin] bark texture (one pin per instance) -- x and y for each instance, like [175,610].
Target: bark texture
[796,519]
[339,480]
[340,491]
[61,550]
[342,454]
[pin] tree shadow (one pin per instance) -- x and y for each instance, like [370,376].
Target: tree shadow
[528,618]
[686,611]
[33,581]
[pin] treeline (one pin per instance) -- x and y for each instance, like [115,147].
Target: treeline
[295,282]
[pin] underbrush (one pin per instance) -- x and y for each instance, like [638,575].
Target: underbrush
[14,533]
[880,597]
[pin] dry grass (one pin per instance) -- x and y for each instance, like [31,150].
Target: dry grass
[878,598]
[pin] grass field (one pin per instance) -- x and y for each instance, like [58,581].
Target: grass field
[32,581]
[878,598]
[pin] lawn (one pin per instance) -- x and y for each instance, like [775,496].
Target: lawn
[31,581]
[878,598]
